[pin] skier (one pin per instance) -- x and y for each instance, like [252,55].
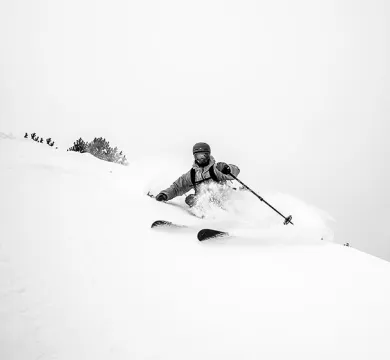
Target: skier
[203,171]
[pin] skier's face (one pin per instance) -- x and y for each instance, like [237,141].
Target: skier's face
[202,158]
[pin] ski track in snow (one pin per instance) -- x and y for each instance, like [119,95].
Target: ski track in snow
[83,276]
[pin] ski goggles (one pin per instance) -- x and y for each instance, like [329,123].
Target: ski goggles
[202,156]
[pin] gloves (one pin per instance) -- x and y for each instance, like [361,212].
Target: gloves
[162,197]
[226,169]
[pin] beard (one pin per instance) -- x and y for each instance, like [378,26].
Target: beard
[203,159]
[203,162]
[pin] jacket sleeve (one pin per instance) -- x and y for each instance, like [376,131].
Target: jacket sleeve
[182,185]
[233,168]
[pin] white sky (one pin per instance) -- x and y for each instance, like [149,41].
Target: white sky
[297,94]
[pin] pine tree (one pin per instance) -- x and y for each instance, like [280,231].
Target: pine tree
[26,136]
[100,148]
[41,141]
[79,146]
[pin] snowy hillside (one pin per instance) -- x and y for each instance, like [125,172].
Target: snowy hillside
[82,275]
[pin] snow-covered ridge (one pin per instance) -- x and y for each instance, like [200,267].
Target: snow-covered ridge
[82,275]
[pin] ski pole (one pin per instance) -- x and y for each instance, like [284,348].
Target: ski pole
[287,220]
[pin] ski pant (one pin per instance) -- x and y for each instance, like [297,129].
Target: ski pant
[191,200]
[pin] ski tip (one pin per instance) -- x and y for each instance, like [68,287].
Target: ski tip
[161,223]
[206,234]
[167,224]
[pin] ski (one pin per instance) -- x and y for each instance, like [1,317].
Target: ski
[164,223]
[206,234]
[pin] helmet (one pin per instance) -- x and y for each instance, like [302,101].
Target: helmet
[201,147]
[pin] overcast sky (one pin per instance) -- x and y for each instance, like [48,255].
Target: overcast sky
[297,93]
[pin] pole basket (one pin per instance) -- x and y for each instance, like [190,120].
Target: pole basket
[287,220]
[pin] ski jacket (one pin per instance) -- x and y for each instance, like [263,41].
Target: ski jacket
[202,174]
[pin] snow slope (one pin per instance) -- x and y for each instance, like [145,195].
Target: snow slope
[82,275]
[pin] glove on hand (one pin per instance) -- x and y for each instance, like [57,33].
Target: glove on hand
[161,197]
[226,169]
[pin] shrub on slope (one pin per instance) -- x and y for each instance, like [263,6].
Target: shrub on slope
[101,149]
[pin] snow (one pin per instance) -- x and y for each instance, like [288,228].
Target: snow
[82,275]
